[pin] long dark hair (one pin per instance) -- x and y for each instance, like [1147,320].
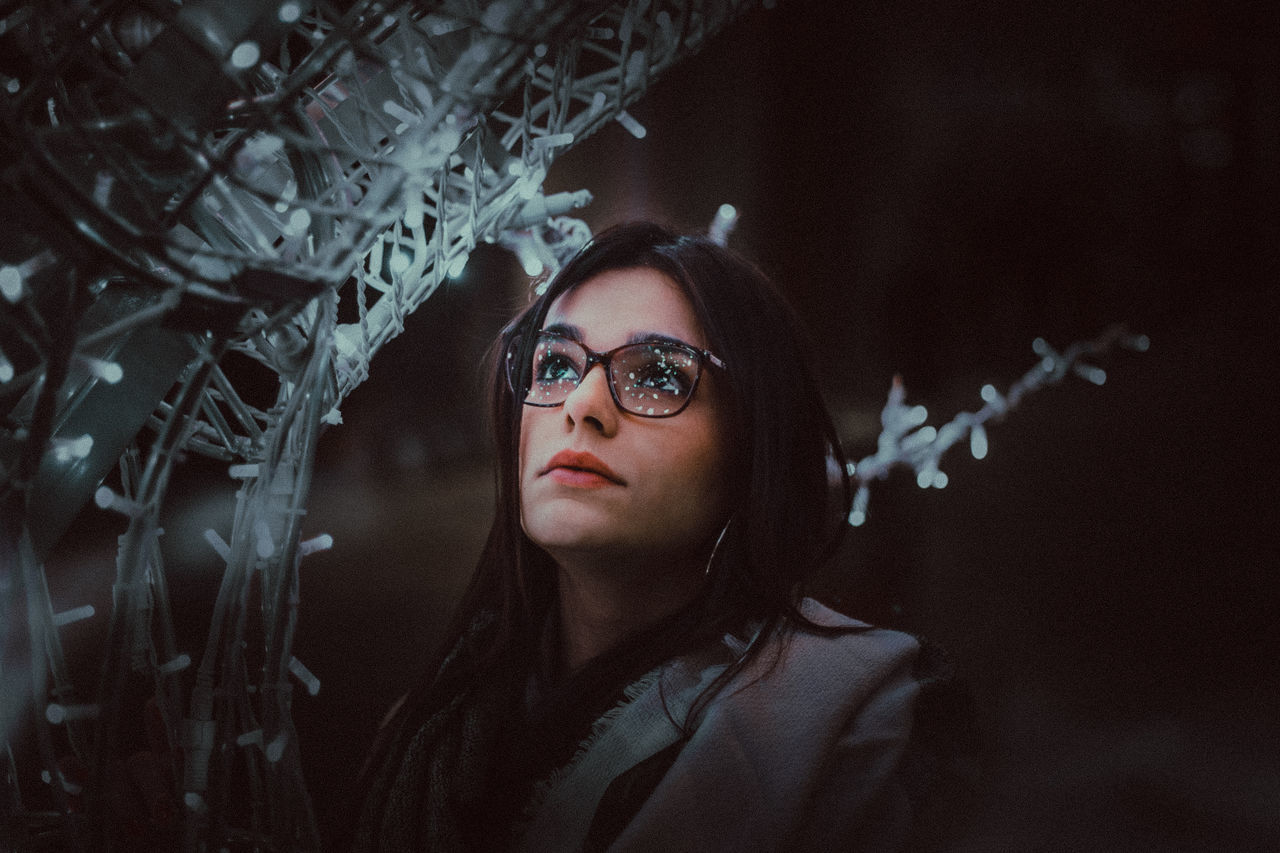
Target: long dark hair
[786,465]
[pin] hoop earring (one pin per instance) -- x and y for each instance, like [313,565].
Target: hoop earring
[716,547]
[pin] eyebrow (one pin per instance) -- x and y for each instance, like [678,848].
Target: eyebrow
[568,330]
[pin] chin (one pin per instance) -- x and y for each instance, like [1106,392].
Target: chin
[570,527]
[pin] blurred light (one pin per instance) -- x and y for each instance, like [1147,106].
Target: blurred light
[1096,375]
[722,224]
[598,100]
[395,110]
[178,664]
[457,265]
[989,393]
[107,371]
[399,262]
[940,479]
[306,676]
[530,183]
[57,713]
[413,213]
[298,223]
[218,544]
[532,266]
[102,188]
[290,12]
[552,140]
[275,749]
[264,546]
[67,449]
[633,127]
[345,341]
[323,542]
[11,283]
[75,614]
[245,55]
[978,441]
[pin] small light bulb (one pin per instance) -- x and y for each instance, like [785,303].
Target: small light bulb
[457,265]
[11,283]
[299,222]
[978,441]
[246,55]
[633,127]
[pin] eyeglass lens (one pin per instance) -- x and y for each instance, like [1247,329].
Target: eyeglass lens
[651,379]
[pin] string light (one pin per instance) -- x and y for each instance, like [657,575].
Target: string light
[904,440]
[722,225]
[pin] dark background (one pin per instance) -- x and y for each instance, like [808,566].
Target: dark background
[935,184]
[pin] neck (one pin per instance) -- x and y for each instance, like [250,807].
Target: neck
[602,603]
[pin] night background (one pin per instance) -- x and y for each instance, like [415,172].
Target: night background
[935,185]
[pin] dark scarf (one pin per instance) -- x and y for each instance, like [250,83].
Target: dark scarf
[458,769]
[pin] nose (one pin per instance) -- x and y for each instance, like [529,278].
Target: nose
[591,403]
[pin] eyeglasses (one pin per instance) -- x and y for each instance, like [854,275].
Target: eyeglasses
[653,379]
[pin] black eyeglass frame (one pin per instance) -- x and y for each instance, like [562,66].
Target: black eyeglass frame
[701,358]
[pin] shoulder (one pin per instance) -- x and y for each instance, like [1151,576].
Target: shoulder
[844,656]
[819,680]
[797,751]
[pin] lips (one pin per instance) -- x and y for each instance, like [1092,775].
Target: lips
[573,460]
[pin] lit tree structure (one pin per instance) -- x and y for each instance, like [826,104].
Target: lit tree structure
[232,195]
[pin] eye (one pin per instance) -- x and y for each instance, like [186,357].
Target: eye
[550,367]
[660,371]
[665,379]
[556,361]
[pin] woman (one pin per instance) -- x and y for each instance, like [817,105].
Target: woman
[632,666]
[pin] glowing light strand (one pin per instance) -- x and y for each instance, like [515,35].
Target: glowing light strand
[425,180]
[906,441]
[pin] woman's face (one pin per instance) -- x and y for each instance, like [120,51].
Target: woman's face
[658,491]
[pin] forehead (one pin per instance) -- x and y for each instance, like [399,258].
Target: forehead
[618,306]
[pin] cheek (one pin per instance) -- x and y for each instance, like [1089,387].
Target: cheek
[528,445]
[699,477]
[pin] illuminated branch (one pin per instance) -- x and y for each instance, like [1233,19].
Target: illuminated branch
[905,440]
